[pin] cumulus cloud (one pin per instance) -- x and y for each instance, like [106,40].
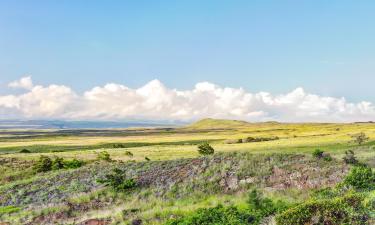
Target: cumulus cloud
[24,82]
[154,101]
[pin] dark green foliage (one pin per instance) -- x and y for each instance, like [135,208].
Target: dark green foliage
[205,149]
[259,139]
[360,138]
[43,164]
[58,163]
[341,210]
[73,164]
[104,155]
[228,215]
[327,158]
[117,181]
[317,153]
[361,177]
[118,145]
[262,206]
[25,151]
[147,158]
[350,158]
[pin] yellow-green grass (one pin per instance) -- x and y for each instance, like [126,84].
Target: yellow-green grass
[181,142]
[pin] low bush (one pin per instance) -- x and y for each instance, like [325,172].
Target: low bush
[43,164]
[228,215]
[25,151]
[104,155]
[118,181]
[73,164]
[58,163]
[340,210]
[317,153]
[147,158]
[205,149]
[361,177]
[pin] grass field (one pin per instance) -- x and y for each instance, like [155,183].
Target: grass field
[177,180]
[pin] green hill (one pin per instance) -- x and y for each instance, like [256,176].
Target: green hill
[217,124]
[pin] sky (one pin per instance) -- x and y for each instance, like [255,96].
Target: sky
[63,59]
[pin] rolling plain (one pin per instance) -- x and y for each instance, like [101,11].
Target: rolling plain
[172,180]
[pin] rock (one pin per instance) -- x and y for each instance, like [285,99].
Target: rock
[248,180]
[95,222]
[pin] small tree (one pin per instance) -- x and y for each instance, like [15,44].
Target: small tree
[360,138]
[205,149]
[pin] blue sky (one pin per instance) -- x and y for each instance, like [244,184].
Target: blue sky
[326,47]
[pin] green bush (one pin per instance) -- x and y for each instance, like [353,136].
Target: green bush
[205,149]
[228,215]
[361,177]
[117,181]
[327,158]
[104,155]
[341,210]
[261,206]
[25,151]
[317,153]
[58,163]
[43,164]
[73,164]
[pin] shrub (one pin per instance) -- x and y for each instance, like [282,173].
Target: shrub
[360,138]
[73,164]
[104,155]
[25,151]
[350,158]
[317,153]
[327,157]
[117,181]
[361,177]
[43,164]
[57,163]
[261,206]
[228,215]
[341,210]
[147,158]
[205,149]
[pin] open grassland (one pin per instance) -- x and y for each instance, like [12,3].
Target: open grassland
[171,179]
[162,144]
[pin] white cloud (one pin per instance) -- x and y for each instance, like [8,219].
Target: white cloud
[154,101]
[24,82]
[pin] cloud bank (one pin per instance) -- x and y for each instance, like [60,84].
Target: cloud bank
[154,101]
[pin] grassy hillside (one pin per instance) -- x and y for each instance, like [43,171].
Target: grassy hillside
[167,178]
[217,124]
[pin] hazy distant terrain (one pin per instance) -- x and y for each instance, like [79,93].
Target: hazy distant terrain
[60,124]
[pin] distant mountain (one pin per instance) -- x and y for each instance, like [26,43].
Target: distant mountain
[60,124]
[217,124]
